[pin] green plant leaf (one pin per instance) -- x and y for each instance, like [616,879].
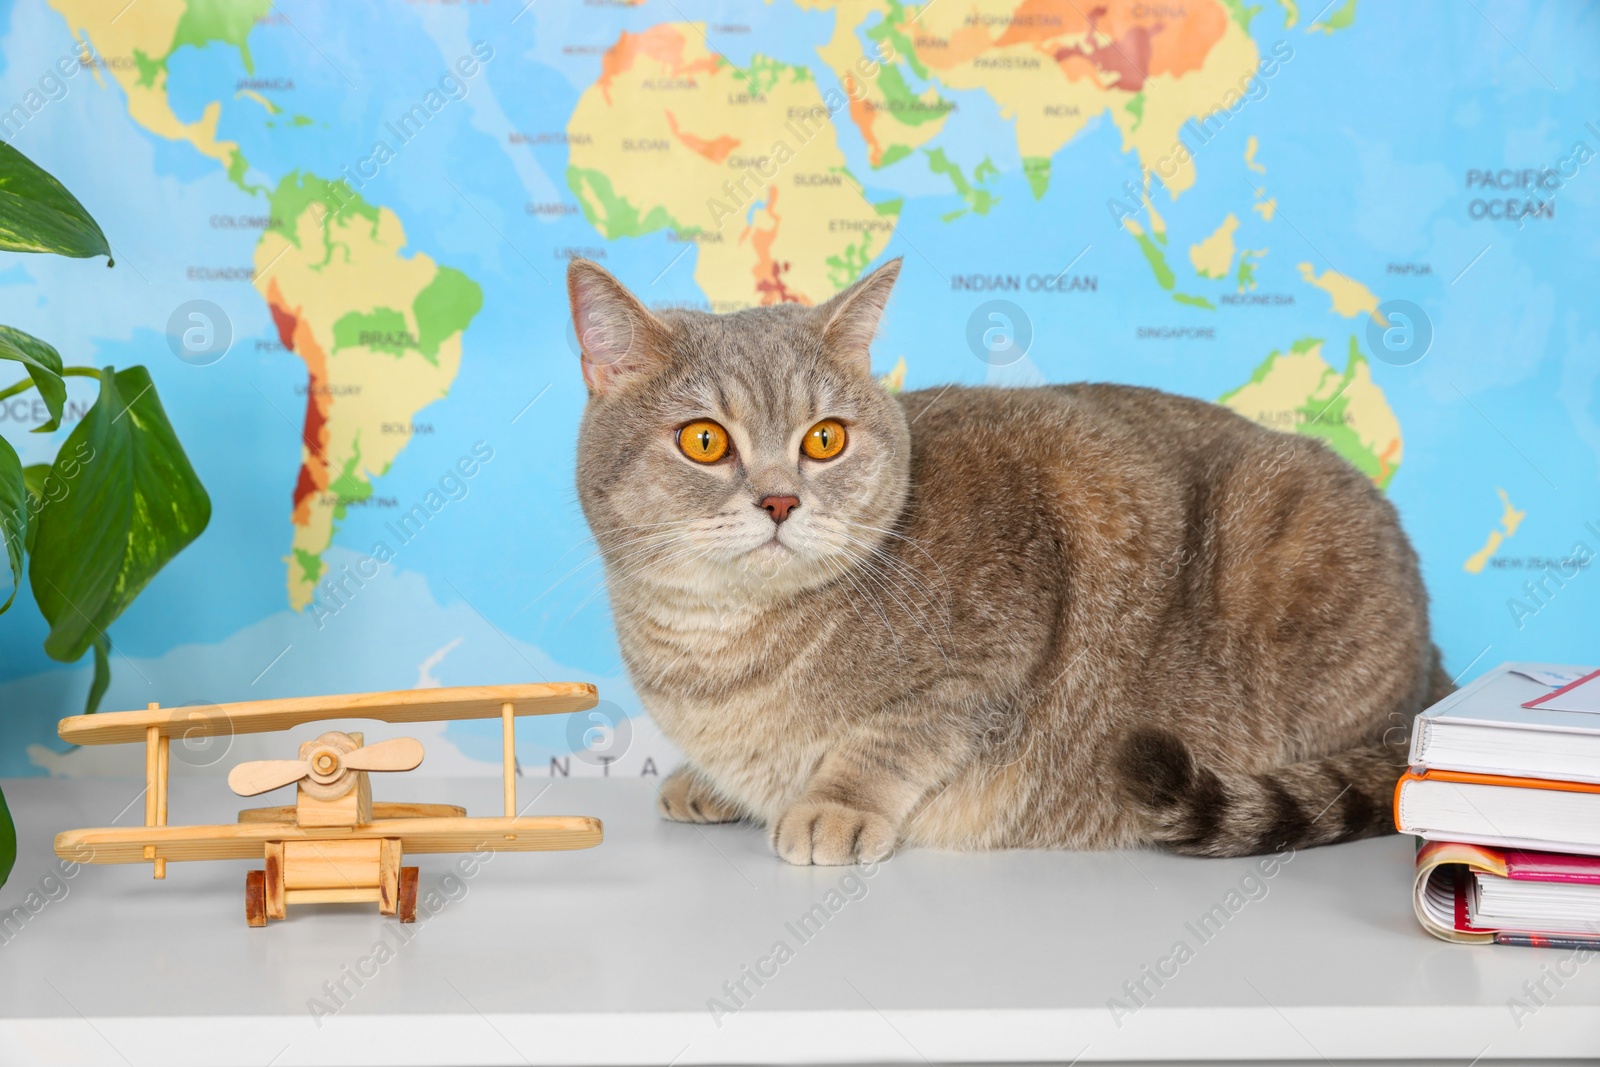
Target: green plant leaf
[129,502]
[8,841]
[102,674]
[34,478]
[13,513]
[44,367]
[37,214]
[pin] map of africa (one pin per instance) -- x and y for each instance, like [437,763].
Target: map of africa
[1356,223]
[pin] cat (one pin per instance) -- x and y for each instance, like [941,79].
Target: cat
[1079,616]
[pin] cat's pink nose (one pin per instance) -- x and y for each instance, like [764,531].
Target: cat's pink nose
[779,506]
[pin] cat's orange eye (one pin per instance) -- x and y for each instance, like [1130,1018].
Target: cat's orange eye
[824,440]
[703,441]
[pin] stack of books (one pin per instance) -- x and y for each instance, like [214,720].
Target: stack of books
[1504,790]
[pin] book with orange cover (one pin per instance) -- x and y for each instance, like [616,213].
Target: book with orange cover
[1475,895]
[1499,811]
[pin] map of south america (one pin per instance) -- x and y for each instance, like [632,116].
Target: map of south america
[380,333]
[379,329]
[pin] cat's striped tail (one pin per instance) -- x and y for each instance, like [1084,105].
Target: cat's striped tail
[1195,810]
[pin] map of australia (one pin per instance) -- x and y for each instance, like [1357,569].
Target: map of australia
[380,334]
[1300,391]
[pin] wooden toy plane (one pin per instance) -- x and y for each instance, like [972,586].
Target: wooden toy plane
[334,844]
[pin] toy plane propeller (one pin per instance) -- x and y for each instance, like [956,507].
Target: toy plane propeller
[334,844]
[331,766]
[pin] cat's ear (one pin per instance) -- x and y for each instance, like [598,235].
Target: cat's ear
[851,318]
[616,333]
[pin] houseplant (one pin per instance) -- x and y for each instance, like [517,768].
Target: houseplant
[119,500]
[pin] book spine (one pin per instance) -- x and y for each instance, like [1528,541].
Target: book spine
[1517,875]
[1419,741]
[1541,941]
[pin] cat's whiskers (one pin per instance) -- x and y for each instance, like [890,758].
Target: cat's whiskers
[913,542]
[654,529]
[646,557]
[593,539]
[598,554]
[652,525]
[677,570]
[917,602]
[620,557]
[613,578]
[682,529]
[828,564]
[707,535]
[632,556]
[836,568]
[890,566]
[890,569]
[873,601]
[866,570]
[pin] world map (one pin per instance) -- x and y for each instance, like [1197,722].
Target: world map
[1371,226]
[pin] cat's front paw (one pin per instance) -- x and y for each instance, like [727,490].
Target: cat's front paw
[686,797]
[832,835]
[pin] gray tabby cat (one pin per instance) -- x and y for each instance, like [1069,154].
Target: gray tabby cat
[1077,616]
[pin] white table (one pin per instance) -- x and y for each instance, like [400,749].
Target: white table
[611,955]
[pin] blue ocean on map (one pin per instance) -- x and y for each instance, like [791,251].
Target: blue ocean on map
[1373,169]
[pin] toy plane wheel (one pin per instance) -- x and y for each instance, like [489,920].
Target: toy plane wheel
[255,898]
[407,906]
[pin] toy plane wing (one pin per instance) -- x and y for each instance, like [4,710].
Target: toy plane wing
[248,841]
[263,716]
